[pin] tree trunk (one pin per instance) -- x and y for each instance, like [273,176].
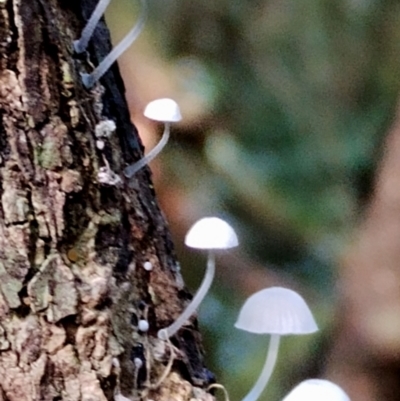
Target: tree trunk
[74,233]
[365,356]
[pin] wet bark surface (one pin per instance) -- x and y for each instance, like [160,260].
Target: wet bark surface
[74,233]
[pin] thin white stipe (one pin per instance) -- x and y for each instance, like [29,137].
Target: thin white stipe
[90,79]
[81,44]
[267,370]
[131,170]
[196,301]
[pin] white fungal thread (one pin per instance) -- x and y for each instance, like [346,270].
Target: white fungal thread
[172,356]
[81,44]
[90,79]
[107,176]
[221,387]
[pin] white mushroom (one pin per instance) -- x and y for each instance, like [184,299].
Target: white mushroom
[148,266]
[143,325]
[81,45]
[209,233]
[317,390]
[138,363]
[167,111]
[90,79]
[276,311]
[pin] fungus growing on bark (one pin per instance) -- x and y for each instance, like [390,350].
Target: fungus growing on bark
[81,44]
[143,325]
[164,110]
[148,266]
[138,363]
[106,176]
[209,233]
[317,390]
[90,79]
[104,129]
[276,311]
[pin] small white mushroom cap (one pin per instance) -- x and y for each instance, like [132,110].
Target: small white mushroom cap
[276,310]
[165,110]
[143,325]
[317,390]
[138,363]
[148,266]
[211,233]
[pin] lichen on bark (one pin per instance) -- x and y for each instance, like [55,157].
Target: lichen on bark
[72,248]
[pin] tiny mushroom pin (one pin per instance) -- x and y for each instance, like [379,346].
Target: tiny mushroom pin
[90,79]
[276,311]
[164,110]
[143,325]
[209,233]
[317,390]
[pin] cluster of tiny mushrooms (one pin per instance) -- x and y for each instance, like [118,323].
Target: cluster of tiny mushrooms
[275,311]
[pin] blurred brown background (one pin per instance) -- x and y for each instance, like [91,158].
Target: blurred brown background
[289,132]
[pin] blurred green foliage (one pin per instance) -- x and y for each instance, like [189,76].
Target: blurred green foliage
[300,94]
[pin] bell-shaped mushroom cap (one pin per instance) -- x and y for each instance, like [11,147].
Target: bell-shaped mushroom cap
[166,110]
[317,390]
[276,310]
[211,233]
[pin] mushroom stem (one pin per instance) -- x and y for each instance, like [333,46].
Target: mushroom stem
[90,79]
[268,368]
[81,44]
[135,167]
[200,294]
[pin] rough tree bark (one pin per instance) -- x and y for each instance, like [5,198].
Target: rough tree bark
[72,282]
